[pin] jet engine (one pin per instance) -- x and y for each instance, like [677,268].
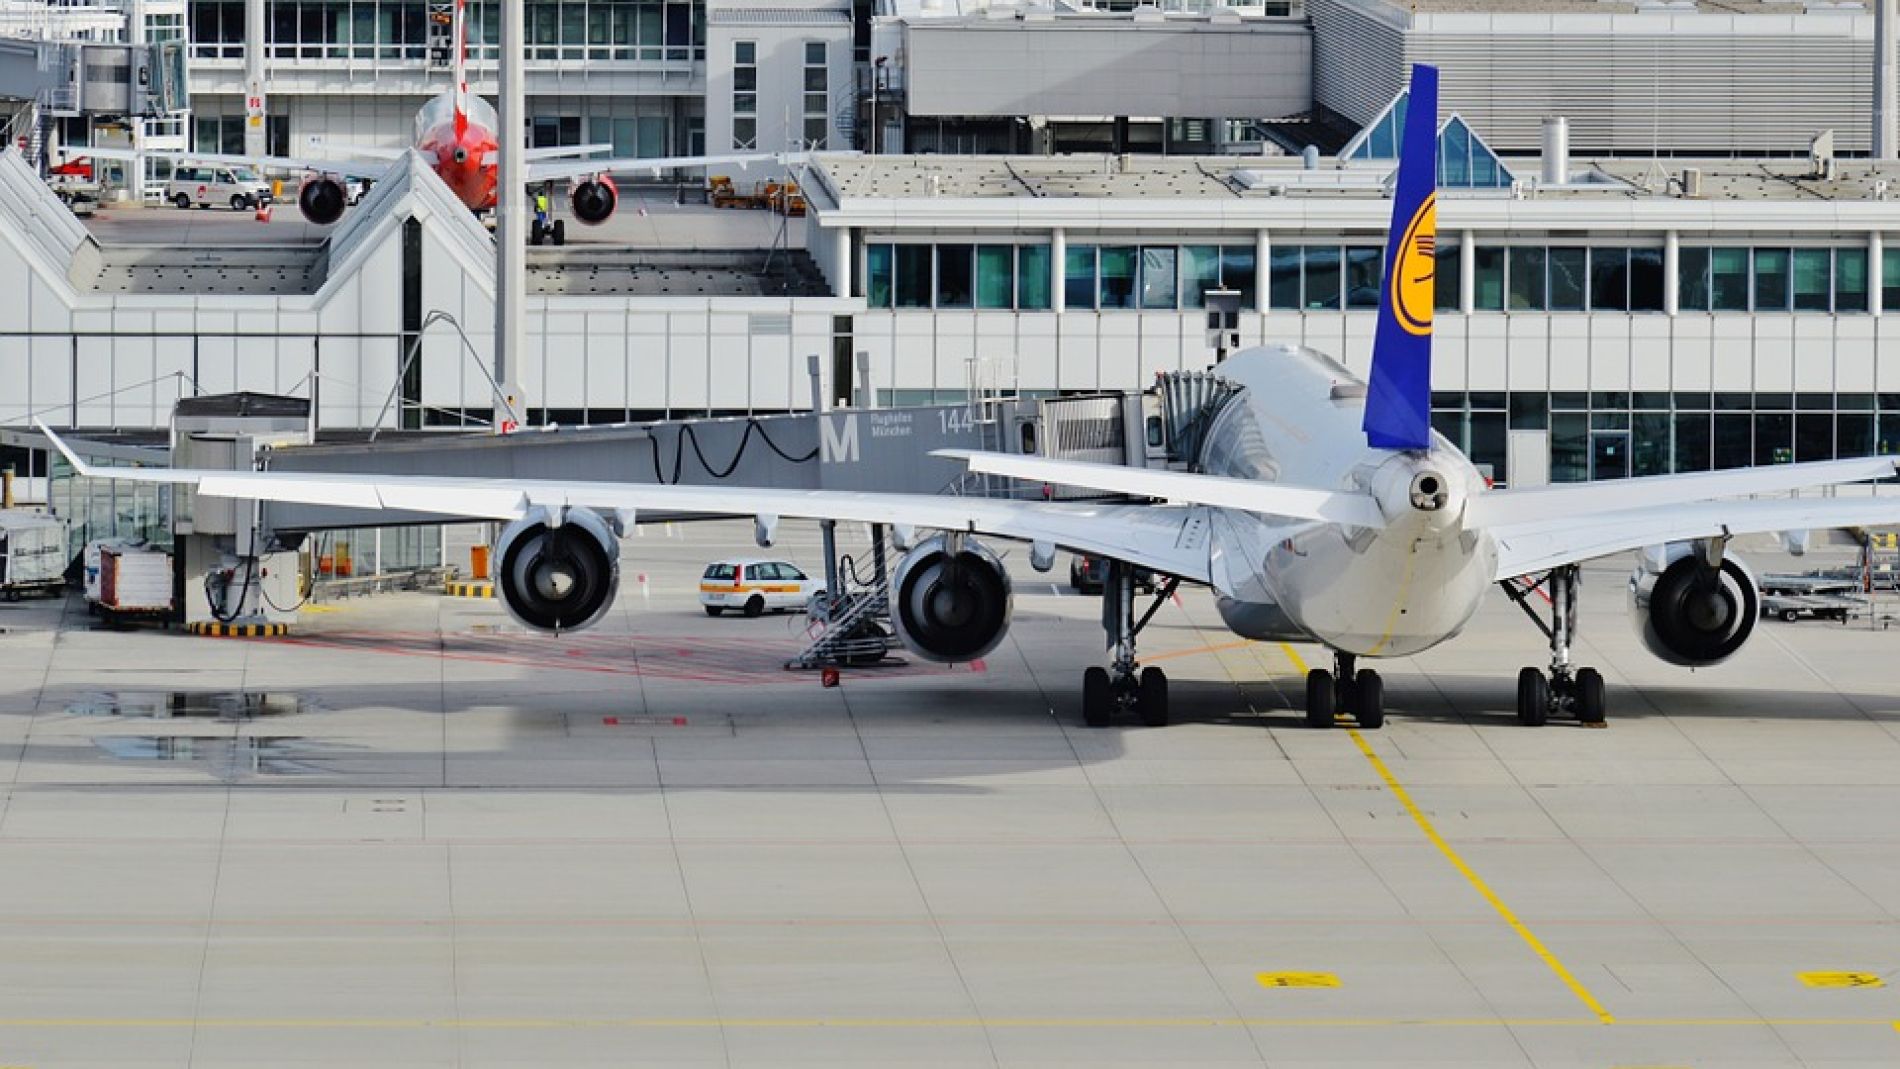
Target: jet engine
[322,200]
[593,201]
[950,600]
[1690,607]
[558,572]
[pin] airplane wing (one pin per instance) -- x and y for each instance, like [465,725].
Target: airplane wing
[1168,540]
[1573,531]
[556,170]
[349,168]
[1273,499]
[1537,503]
[561,152]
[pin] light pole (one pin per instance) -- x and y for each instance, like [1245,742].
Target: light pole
[511,217]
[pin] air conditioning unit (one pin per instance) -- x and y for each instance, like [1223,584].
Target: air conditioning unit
[1692,181]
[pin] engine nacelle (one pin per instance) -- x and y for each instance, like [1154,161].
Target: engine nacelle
[322,200]
[557,576]
[949,606]
[593,201]
[1688,613]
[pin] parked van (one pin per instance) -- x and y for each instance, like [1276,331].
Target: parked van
[205,186]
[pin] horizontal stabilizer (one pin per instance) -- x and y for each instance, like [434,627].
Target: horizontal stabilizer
[1272,499]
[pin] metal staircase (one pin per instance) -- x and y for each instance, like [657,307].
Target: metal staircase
[855,629]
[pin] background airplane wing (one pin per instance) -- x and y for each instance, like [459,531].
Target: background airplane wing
[1168,540]
[1529,546]
[350,168]
[557,170]
[1577,499]
[562,152]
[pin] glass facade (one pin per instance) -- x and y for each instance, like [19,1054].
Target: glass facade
[1464,160]
[1000,276]
[1745,279]
[630,31]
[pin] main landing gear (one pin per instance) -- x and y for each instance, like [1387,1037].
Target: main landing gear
[1121,686]
[1568,689]
[1361,694]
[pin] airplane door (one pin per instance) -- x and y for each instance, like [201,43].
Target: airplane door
[1609,455]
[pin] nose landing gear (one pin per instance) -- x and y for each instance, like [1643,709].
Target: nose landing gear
[1342,690]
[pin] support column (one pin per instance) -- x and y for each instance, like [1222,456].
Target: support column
[1672,275]
[842,263]
[256,143]
[1468,272]
[1262,254]
[1058,259]
[135,124]
[511,218]
[1876,252]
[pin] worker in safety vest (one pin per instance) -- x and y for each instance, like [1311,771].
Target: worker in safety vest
[541,209]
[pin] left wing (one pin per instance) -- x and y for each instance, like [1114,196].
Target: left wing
[556,170]
[562,152]
[349,168]
[1168,540]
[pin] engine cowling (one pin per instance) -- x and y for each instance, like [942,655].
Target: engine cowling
[593,201]
[1688,613]
[322,200]
[950,606]
[557,576]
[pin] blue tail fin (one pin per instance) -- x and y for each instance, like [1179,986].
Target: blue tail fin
[1399,395]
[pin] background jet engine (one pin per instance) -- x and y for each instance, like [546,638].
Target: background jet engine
[322,200]
[1688,613]
[950,606]
[593,201]
[557,578]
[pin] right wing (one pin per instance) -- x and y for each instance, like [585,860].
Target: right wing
[556,170]
[1168,540]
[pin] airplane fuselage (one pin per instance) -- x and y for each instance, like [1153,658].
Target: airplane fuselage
[1391,591]
[463,154]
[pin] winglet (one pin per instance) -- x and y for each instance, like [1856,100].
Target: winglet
[1398,396]
[72,458]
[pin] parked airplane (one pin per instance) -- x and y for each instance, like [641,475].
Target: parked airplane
[1323,509]
[459,134]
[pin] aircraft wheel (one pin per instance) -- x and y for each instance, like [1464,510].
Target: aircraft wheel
[1151,699]
[1591,708]
[1368,695]
[1320,699]
[754,605]
[1533,698]
[559,231]
[1098,700]
[714,610]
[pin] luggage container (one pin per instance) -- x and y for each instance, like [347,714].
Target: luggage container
[32,555]
[128,580]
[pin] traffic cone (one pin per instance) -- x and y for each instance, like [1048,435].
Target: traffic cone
[263,213]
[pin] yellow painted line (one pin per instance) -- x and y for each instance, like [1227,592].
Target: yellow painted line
[1026,1023]
[1296,979]
[1840,979]
[1198,651]
[1471,876]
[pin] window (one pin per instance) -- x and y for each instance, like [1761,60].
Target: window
[1283,277]
[1850,283]
[1363,264]
[1692,279]
[745,132]
[1526,273]
[1890,279]
[1445,276]
[1813,281]
[1488,278]
[1032,278]
[1239,273]
[995,276]
[1200,272]
[1078,277]
[1568,269]
[913,282]
[1646,280]
[1771,280]
[1609,280]
[954,266]
[1320,275]
[877,276]
[745,96]
[1158,281]
[1728,280]
[1116,271]
[817,95]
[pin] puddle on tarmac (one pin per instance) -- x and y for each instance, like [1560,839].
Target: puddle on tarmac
[287,755]
[229,707]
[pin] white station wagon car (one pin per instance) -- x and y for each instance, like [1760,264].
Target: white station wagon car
[753,586]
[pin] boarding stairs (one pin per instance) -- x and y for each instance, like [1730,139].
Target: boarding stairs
[855,629]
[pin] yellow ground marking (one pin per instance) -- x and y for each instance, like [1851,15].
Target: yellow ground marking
[1197,651]
[1297,979]
[1471,876]
[894,1023]
[1840,979]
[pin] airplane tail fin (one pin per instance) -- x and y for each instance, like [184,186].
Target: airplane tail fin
[461,67]
[1398,395]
